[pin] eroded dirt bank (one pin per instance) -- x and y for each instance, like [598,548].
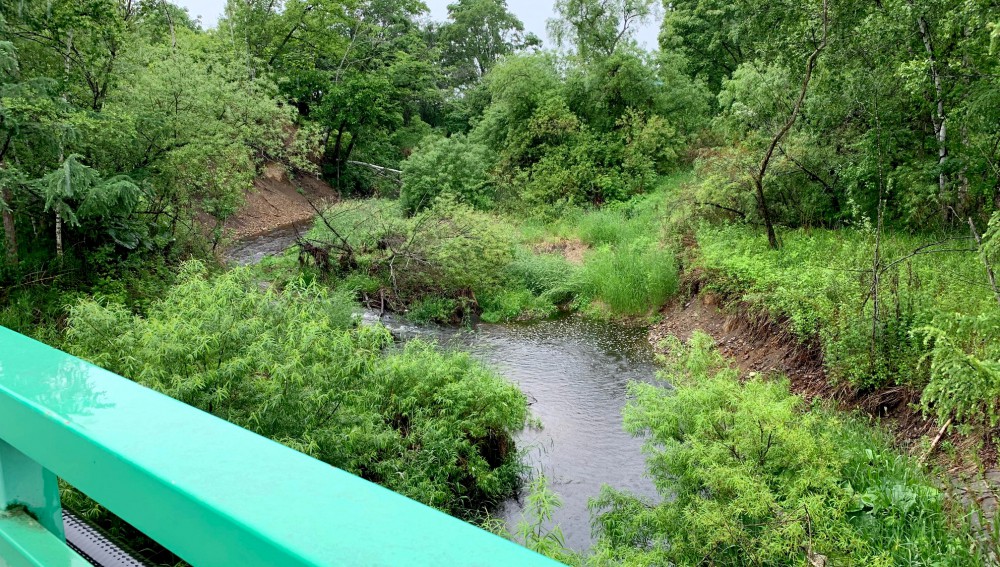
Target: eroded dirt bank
[278,200]
[757,345]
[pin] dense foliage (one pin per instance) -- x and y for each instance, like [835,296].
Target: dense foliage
[835,165]
[294,366]
[750,476]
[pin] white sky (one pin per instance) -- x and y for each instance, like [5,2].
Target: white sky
[533,13]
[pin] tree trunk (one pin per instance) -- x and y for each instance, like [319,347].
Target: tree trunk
[938,119]
[772,238]
[350,147]
[59,244]
[9,228]
[758,177]
[336,147]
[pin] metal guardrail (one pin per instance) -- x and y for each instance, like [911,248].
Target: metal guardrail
[211,492]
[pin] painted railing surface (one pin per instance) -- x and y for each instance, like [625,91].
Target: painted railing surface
[211,492]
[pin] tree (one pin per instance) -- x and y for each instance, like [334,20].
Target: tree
[758,176]
[78,42]
[451,166]
[596,28]
[478,33]
[30,128]
[81,198]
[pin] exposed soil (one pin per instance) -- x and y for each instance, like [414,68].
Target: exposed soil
[757,345]
[572,249]
[278,200]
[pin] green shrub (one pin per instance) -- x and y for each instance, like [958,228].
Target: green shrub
[963,384]
[750,475]
[293,366]
[432,310]
[454,166]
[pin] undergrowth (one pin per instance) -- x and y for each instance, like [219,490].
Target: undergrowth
[820,281]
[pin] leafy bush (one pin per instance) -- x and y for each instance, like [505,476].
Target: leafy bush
[964,385]
[749,475]
[452,166]
[293,366]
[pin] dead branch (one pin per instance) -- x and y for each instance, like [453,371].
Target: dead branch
[740,214]
[381,170]
[937,439]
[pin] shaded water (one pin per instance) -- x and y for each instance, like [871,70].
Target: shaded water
[254,249]
[574,372]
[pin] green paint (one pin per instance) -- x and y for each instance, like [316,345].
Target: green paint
[23,482]
[209,491]
[26,543]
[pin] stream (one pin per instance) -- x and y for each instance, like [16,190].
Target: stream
[574,372]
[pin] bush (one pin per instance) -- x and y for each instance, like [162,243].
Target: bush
[750,475]
[293,366]
[455,167]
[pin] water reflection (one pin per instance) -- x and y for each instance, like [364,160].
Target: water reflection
[254,249]
[575,373]
[63,385]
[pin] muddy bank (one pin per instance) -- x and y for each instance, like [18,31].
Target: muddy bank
[757,345]
[278,200]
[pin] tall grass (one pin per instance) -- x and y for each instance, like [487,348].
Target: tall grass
[627,270]
[632,278]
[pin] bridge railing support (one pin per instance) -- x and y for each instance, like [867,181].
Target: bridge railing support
[211,492]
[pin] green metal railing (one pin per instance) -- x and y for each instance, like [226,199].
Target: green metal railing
[211,492]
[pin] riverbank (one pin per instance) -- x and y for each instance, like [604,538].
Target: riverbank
[278,200]
[757,323]
[552,259]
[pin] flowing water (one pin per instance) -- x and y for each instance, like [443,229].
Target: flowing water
[254,249]
[574,372]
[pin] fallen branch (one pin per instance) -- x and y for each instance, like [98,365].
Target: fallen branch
[937,439]
[376,168]
[741,214]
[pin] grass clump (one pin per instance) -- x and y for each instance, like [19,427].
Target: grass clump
[631,279]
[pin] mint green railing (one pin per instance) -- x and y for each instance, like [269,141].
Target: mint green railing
[207,490]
